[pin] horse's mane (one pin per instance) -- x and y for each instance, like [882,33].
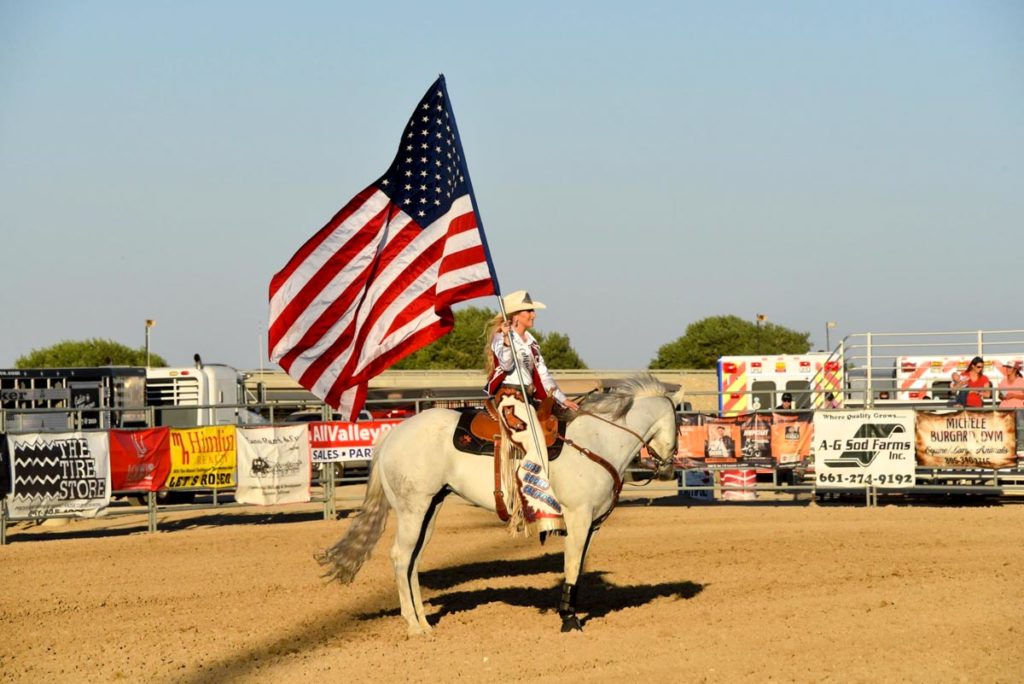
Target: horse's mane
[617,403]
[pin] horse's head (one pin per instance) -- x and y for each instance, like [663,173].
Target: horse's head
[648,409]
[663,435]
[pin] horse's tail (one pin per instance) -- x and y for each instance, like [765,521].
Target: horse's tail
[344,559]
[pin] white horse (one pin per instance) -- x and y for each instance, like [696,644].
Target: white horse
[415,466]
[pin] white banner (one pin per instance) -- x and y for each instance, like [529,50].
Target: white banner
[273,465]
[862,448]
[59,473]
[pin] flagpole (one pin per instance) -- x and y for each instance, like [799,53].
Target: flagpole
[464,167]
[541,456]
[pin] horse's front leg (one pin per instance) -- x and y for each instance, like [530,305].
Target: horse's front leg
[577,540]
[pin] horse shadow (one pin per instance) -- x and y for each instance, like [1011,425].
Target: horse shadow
[598,596]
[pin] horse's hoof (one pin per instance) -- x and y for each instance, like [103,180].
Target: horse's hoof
[418,630]
[571,623]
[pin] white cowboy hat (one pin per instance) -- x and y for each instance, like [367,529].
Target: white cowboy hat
[520,301]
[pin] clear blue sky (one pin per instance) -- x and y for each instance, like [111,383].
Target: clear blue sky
[638,165]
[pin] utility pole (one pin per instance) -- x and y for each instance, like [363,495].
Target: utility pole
[149,324]
[828,340]
[760,318]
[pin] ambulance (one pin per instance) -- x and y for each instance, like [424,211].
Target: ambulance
[756,383]
[926,379]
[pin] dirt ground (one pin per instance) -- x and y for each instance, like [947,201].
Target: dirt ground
[705,592]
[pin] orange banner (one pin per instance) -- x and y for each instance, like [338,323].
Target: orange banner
[791,438]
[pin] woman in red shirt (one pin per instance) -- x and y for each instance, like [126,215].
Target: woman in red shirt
[973,381]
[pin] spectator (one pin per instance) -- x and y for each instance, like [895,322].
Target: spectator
[1012,388]
[830,401]
[970,385]
[787,402]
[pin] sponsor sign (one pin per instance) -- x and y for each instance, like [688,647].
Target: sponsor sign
[339,441]
[139,459]
[202,458]
[58,473]
[756,440]
[692,434]
[864,448]
[721,444]
[792,436]
[967,439]
[273,465]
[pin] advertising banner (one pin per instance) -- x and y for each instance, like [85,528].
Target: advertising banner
[692,434]
[273,465]
[59,473]
[721,444]
[967,439]
[756,440]
[792,436]
[139,459]
[338,441]
[862,448]
[202,457]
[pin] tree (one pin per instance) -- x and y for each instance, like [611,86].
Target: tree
[709,338]
[463,347]
[86,353]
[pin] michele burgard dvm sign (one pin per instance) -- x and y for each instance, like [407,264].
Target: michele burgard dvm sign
[862,448]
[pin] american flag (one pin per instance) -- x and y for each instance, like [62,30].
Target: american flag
[378,281]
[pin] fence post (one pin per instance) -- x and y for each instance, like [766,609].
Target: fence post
[869,401]
[151,511]
[3,522]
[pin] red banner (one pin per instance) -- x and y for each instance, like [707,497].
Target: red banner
[139,459]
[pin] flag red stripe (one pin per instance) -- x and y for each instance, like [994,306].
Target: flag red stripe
[393,249]
[463,259]
[314,242]
[315,285]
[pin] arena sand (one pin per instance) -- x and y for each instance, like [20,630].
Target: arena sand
[702,593]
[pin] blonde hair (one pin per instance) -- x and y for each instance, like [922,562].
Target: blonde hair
[490,328]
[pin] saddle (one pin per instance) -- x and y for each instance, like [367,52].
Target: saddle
[478,431]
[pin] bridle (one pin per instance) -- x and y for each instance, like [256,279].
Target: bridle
[660,462]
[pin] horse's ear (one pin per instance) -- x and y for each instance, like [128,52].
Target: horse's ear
[677,398]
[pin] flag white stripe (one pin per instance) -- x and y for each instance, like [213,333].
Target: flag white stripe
[323,253]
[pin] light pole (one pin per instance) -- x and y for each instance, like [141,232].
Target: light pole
[759,318]
[149,324]
[828,340]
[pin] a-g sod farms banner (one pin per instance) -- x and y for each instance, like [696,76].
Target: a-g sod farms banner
[791,438]
[140,459]
[273,465]
[202,457]
[338,441]
[861,448]
[58,473]
[967,439]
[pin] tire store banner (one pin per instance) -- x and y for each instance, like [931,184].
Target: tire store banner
[59,473]
[862,448]
[202,458]
[792,436]
[139,459]
[273,465]
[338,441]
[967,439]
